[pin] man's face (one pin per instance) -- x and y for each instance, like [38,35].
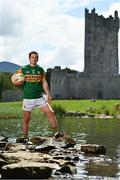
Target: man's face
[33,59]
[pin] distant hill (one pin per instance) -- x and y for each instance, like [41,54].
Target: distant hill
[6,66]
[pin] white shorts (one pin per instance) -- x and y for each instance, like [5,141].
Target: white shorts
[30,104]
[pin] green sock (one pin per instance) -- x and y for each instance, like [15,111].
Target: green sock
[25,135]
[54,130]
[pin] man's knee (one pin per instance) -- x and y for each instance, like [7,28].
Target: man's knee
[51,113]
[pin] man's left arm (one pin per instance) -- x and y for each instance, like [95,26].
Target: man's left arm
[46,88]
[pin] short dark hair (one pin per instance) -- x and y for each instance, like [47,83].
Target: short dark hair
[33,52]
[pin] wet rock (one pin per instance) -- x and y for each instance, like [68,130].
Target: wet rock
[24,156]
[67,158]
[51,143]
[69,163]
[93,149]
[44,153]
[117,116]
[59,157]
[103,116]
[15,147]
[70,142]
[26,170]
[77,114]
[3,144]
[76,158]
[45,145]
[38,140]
[3,139]
[91,115]
[67,169]
[2,162]
[56,152]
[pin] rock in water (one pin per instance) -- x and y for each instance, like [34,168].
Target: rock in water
[93,149]
[26,170]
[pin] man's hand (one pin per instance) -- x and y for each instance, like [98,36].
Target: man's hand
[47,97]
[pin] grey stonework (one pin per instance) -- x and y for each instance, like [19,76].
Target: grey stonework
[84,86]
[101,43]
[100,79]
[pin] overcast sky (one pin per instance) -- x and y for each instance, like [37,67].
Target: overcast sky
[53,28]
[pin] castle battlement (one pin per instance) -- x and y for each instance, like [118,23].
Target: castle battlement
[99,20]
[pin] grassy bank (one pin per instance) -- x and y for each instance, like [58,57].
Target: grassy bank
[108,107]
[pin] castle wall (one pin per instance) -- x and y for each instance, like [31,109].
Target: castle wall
[101,43]
[84,86]
[59,84]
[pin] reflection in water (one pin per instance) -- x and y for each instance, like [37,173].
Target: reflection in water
[92,131]
[102,168]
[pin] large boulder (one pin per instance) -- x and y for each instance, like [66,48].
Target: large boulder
[26,170]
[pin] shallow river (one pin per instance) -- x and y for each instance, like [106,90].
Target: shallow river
[93,131]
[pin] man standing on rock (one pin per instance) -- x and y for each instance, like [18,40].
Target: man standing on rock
[33,89]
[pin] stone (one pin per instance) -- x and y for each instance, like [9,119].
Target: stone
[5,139]
[93,149]
[19,161]
[67,169]
[15,147]
[3,144]
[37,140]
[24,156]
[45,145]
[26,170]
[76,158]
[2,162]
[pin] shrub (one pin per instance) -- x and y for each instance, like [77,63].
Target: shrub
[106,112]
[59,110]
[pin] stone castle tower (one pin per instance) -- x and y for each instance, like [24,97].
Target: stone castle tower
[100,79]
[101,43]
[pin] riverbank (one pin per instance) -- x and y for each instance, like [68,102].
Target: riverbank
[90,106]
[78,108]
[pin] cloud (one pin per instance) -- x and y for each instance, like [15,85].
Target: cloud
[30,26]
[113,7]
[44,26]
[11,19]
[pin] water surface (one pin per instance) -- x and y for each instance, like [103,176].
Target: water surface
[92,131]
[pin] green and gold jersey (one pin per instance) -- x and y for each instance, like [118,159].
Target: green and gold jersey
[33,85]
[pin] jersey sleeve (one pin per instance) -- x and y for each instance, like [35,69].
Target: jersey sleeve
[19,71]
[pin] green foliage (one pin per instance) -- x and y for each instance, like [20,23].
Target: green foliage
[1,85]
[59,110]
[5,82]
[107,112]
[6,78]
